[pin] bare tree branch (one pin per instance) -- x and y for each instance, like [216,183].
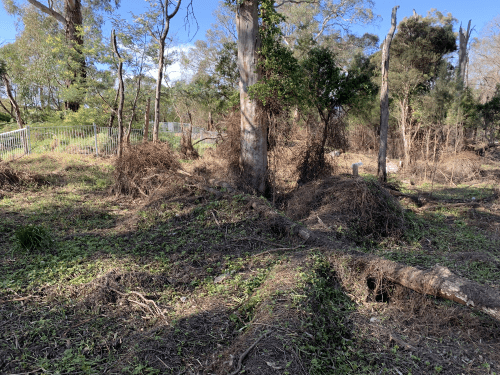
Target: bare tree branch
[296,2]
[49,11]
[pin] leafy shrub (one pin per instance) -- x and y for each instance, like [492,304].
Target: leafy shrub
[31,237]
[4,117]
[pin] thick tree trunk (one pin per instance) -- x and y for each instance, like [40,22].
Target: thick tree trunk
[146,121]
[384,100]
[253,157]
[462,54]
[438,281]
[121,96]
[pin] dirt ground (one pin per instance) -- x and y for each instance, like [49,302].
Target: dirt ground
[189,280]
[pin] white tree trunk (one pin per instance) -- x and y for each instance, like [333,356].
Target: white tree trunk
[160,39]
[384,100]
[253,158]
[161,62]
[146,121]
[121,95]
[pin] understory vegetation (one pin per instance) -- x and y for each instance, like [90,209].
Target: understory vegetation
[309,212]
[190,277]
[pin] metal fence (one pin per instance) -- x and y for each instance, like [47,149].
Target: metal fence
[86,140]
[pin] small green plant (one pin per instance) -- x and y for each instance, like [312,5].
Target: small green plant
[31,237]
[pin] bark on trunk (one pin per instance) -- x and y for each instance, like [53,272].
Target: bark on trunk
[462,54]
[160,39]
[384,100]
[146,121]
[253,157]
[121,96]
[438,281]
[13,102]
[113,112]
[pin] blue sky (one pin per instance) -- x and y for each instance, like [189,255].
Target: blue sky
[481,13]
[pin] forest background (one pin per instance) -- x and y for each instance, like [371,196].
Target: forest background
[436,105]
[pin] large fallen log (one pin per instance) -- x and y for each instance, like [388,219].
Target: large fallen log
[438,281]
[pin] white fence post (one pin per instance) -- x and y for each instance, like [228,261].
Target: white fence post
[29,138]
[95,137]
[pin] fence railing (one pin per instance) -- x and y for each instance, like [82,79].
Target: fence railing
[86,140]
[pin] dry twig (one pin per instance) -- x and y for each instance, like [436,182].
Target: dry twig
[242,357]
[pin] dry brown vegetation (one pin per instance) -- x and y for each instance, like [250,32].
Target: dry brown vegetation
[366,207]
[11,179]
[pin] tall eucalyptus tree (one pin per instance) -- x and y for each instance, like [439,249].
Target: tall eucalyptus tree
[68,13]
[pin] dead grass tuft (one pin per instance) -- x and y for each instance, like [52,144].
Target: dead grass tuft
[365,207]
[229,148]
[144,168]
[464,166]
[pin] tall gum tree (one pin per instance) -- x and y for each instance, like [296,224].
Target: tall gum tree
[157,21]
[384,99]
[70,15]
[253,157]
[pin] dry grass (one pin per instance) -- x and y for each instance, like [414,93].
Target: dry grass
[461,167]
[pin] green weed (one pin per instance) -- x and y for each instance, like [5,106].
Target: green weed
[33,237]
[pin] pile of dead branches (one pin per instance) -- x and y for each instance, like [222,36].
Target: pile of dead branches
[11,179]
[144,168]
[364,206]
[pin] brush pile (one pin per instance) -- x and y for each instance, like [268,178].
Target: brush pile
[144,168]
[11,179]
[366,208]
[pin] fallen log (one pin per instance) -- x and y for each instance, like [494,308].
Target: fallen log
[438,281]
